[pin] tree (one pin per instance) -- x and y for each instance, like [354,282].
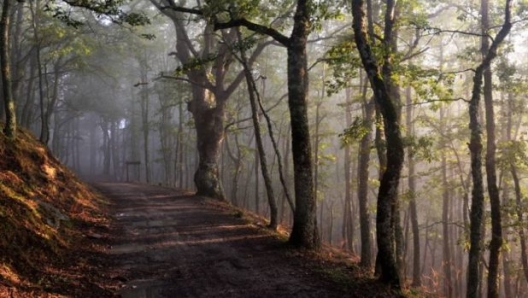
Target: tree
[209,94]
[304,232]
[491,172]
[253,98]
[388,190]
[475,148]
[5,64]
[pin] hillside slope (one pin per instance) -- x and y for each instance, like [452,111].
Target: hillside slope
[46,214]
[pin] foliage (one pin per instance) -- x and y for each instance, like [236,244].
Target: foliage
[104,10]
[512,152]
[344,62]
[430,85]
[359,128]
[421,147]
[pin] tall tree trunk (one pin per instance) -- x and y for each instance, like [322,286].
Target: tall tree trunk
[317,141]
[416,279]
[27,110]
[18,63]
[304,231]
[362,190]
[388,191]
[237,164]
[447,262]
[180,150]
[347,212]
[506,255]
[520,218]
[475,148]
[50,106]
[145,103]
[5,63]
[253,99]
[491,175]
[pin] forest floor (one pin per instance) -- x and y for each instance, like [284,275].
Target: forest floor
[167,243]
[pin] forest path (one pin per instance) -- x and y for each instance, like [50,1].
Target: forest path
[166,243]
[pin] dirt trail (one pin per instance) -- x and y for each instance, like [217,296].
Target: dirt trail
[169,244]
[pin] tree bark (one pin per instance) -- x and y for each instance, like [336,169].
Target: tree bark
[304,231]
[210,134]
[362,190]
[5,64]
[475,148]
[491,172]
[388,191]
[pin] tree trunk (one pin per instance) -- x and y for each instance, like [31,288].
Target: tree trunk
[388,191]
[491,175]
[520,218]
[304,232]
[237,164]
[347,212]
[317,141]
[475,148]
[448,281]
[27,110]
[18,62]
[253,98]
[5,63]
[416,279]
[146,130]
[209,121]
[180,147]
[362,190]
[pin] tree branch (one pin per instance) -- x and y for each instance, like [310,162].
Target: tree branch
[243,22]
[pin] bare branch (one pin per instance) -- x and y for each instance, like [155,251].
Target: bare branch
[164,76]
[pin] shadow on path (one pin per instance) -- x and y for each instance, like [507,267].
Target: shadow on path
[170,244]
